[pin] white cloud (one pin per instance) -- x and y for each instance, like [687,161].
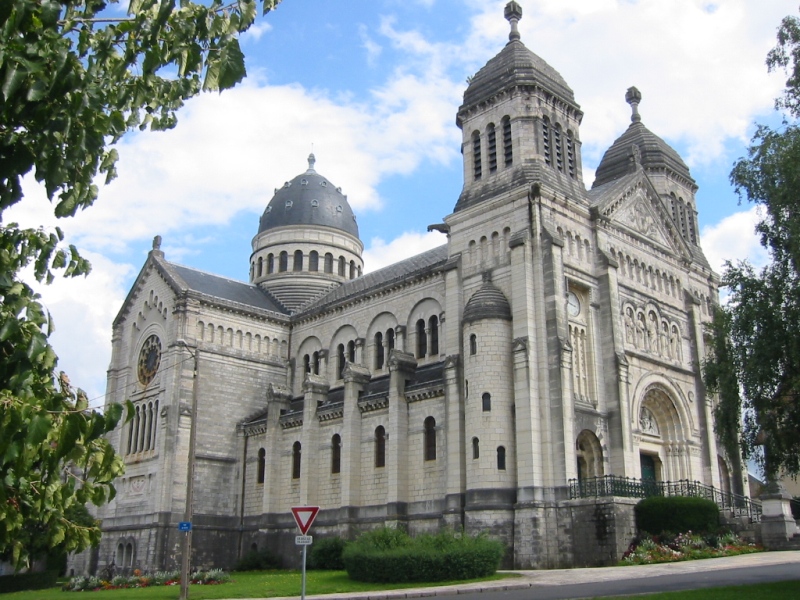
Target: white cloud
[382,254]
[257,29]
[734,239]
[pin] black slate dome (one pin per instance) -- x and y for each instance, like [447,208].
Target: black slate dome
[653,152]
[309,199]
[487,303]
[515,66]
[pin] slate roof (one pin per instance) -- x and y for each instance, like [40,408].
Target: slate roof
[396,273]
[224,288]
[487,303]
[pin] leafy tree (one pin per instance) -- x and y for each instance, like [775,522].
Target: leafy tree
[75,76]
[756,363]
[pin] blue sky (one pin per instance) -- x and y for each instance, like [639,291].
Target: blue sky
[373,86]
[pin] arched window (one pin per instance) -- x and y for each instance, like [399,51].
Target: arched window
[262,465]
[558,148]
[340,361]
[351,351]
[137,419]
[328,262]
[352,269]
[473,344]
[336,453]
[570,155]
[260,266]
[390,339]
[283,265]
[546,142]
[492,149]
[380,446]
[296,460]
[486,401]
[270,263]
[422,339]
[433,328]
[128,560]
[315,362]
[155,424]
[131,436]
[501,458]
[476,448]
[306,364]
[298,260]
[313,261]
[507,148]
[149,436]
[342,265]
[476,155]
[430,438]
[378,351]
[120,554]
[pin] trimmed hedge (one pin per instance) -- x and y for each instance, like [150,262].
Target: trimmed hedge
[326,554]
[257,560]
[391,556]
[28,581]
[659,514]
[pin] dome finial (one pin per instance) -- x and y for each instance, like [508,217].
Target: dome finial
[513,13]
[311,162]
[633,96]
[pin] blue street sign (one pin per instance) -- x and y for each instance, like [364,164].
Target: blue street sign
[185,526]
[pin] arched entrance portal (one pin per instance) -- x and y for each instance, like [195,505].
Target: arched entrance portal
[663,449]
[589,454]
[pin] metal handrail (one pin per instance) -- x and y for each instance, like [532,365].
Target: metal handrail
[630,487]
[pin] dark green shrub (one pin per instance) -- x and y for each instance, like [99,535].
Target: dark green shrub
[28,581]
[389,557]
[326,553]
[257,560]
[658,514]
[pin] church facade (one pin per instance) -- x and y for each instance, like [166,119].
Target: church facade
[553,340]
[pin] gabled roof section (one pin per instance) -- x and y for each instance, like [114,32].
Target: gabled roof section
[392,275]
[631,202]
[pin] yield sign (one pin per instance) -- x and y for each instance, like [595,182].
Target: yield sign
[304,516]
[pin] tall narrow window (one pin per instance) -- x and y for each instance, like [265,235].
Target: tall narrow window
[473,344]
[306,364]
[336,453]
[557,148]
[476,448]
[476,155]
[546,149]
[352,269]
[296,460]
[149,436]
[270,263]
[422,339]
[430,438]
[486,401]
[508,153]
[298,260]
[131,447]
[378,351]
[328,262]
[433,328]
[342,265]
[283,264]
[155,424]
[501,458]
[340,361]
[570,155]
[260,266]
[492,149]
[313,261]
[315,362]
[380,446]
[351,351]
[262,465]
[390,338]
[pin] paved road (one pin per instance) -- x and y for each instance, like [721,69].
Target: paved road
[566,584]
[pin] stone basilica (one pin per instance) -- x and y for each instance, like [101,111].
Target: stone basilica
[553,341]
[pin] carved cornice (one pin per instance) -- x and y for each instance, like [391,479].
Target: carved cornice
[372,403]
[330,412]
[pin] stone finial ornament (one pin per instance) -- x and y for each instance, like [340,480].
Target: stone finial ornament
[157,243]
[633,96]
[513,13]
[312,160]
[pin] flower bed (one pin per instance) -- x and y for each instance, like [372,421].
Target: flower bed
[685,546]
[142,580]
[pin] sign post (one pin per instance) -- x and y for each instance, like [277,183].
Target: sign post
[304,516]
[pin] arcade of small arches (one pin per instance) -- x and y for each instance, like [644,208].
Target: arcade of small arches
[647,330]
[126,553]
[142,428]
[655,279]
[488,251]
[313,263]
[558,148]
[577,246]
[684,216]
[242,340]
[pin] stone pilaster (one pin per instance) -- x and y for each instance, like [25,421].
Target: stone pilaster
[356,377]
[401,367]
[315,389]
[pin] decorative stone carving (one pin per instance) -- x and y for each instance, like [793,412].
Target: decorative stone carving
[647,422]
[648,331]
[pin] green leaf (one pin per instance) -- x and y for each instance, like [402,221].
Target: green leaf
[38,429]
[13,79]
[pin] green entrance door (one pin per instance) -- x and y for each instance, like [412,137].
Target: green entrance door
[648,474]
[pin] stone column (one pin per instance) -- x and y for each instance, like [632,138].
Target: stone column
[401,367]
[315,389]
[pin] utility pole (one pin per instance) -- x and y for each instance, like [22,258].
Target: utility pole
[189,509]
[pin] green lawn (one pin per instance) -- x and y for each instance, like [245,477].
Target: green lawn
[253,584]
[265,584]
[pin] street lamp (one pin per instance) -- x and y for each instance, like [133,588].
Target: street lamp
[188,512]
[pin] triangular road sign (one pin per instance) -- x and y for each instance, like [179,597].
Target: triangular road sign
[304,516]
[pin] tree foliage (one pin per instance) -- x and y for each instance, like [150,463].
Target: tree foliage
[757,335]
[75,76]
